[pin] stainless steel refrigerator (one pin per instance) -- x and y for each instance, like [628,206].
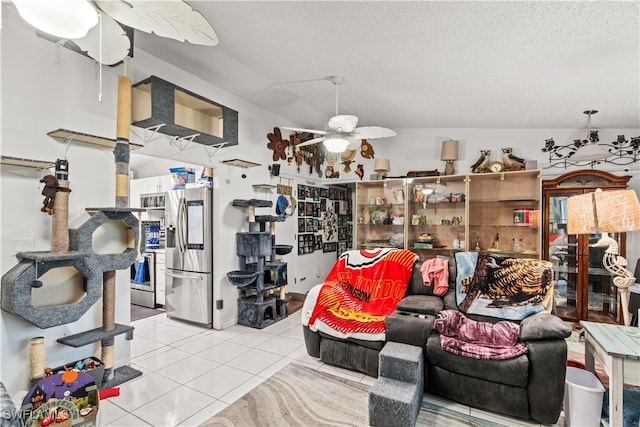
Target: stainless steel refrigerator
[189,255]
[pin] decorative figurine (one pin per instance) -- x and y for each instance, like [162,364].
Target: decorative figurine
[481,164]
[511,161]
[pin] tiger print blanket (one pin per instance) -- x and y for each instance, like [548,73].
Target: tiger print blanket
[503,287]
[362,288]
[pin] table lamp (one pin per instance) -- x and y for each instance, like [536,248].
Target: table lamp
[615,211]
[381,167]
[449,154]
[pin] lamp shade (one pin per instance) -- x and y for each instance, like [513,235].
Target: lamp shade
[336,144]
[613,211]
[381,165]
[449,150]
[69,19]
[590,152]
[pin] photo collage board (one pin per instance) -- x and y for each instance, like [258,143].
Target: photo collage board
[324,219]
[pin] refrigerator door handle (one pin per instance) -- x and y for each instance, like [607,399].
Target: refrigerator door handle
[182,225]
[184,276]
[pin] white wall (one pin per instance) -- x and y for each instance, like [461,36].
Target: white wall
[39,96]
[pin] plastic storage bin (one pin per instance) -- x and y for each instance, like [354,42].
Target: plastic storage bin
[582,398]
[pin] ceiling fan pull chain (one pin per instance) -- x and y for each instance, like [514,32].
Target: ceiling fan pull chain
[337,90]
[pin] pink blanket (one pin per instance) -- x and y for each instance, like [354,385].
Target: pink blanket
[481,340]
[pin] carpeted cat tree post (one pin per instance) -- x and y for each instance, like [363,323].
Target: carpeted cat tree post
[121,156]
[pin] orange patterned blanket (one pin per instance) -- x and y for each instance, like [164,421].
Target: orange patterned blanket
[362,288]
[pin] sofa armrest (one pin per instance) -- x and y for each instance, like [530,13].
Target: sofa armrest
[543,326]
[409,328]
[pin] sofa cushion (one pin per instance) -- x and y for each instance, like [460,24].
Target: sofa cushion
[374,345]
[514,371]
[421,304]
[416,284]
[543,326]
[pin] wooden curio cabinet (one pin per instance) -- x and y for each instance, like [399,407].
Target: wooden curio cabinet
[584,289]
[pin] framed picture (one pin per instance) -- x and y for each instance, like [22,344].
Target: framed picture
[330,247]
[301,225]
[342,248]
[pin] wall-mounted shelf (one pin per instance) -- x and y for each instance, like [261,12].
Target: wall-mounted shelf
[66,135]
[27,163]
[240,163]
[180,113]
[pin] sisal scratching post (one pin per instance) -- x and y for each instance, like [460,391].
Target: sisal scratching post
[60,220]
[107,356]
[108,300]
[37,358]
[108,322]
[121,151]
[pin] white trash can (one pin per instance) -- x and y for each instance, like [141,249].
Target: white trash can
[582,398]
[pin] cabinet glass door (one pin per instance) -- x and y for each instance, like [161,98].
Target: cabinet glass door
[584,289]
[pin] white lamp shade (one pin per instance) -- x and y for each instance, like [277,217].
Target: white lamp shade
[449,150]
[381,165]
[69,19]
[336,144]
[590,152]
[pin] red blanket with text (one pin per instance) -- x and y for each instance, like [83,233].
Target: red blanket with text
[360,290]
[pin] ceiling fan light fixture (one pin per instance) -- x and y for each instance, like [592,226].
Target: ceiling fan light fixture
[69,19]
[336,144]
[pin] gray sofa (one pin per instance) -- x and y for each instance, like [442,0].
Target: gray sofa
[529,386]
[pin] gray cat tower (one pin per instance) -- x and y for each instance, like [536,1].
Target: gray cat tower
[260,274]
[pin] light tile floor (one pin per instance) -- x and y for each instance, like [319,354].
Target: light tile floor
[191,373]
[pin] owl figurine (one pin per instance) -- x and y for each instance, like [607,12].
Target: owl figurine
[511,161]
[482,163]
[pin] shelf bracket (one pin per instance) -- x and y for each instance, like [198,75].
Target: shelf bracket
[213,149]
[182,142]
[154,129]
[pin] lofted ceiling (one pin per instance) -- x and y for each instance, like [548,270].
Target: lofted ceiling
[424,64]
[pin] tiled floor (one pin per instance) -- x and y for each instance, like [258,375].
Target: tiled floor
[191,373]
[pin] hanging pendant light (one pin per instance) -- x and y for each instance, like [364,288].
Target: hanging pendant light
[67,19]
[589,151]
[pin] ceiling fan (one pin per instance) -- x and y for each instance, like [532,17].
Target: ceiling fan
[342,131]
[93,26]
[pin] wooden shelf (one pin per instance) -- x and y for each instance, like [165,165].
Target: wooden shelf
[65,135]
[240,163]
[27,163]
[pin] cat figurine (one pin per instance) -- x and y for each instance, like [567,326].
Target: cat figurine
[482,163]
[511,161]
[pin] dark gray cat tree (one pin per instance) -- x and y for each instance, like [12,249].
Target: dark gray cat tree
[260,274]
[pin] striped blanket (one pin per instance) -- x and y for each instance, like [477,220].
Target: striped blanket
[362,288]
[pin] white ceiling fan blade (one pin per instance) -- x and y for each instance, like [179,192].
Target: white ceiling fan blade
[115,43]
[373,132]
[314,131]
[354,143]
[311,142]
[343,123]
[173,19]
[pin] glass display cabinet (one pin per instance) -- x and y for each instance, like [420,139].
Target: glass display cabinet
[380,213]
[436,215]
[584,289]
[504,213]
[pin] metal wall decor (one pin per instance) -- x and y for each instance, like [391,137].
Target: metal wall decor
[620,152]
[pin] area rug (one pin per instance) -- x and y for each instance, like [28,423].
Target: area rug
[301,396]
[139,312]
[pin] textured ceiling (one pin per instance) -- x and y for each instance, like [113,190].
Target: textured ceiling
[424,64]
